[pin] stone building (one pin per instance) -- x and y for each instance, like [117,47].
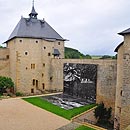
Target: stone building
[30,48]
[34,59]
[122,102]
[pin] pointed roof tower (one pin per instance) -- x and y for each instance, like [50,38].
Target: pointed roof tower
[33,13]
[34,28]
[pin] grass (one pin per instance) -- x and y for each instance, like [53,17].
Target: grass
[96,57]
[84,128]
[68,114]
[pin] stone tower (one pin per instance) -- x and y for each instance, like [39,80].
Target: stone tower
[32,45]
[122,106]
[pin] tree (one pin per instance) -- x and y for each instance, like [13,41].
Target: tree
[106,57]
[102,114]
[114,57]
[5,83]
[1,46]
[88,56]
[71,53]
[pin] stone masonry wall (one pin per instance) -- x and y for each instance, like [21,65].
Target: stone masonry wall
[125,92]
[30,66]
[4,62]
[4,68]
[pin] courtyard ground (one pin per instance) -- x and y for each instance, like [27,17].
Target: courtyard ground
[16,114]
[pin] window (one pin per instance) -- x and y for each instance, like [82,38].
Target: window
[32,66]
[42,74]
[36,41]
[43,64]
[36,83]
[20,40]
[33,82]
[44,47]
[49,54]
[58,43]
[26,53]
[43,86]
[51,78]
[121,92]
[32,90]
[120,110]
[7,56]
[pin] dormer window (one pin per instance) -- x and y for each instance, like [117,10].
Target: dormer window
[56,53]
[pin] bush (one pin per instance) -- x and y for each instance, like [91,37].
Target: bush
[102,114]
[19,94]
[5,83]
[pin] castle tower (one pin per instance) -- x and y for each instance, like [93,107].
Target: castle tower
[32,45]
[122,106]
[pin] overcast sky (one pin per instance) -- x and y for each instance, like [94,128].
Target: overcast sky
[91,26]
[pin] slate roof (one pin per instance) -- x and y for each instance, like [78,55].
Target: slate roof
[127,31]
[34,28]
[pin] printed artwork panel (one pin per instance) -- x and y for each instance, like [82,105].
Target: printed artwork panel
[80,81]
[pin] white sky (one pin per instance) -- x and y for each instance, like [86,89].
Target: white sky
[91,26]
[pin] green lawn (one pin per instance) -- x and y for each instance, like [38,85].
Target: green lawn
[68,114]
[84,128]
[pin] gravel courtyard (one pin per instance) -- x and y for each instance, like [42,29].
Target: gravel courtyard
[16,114]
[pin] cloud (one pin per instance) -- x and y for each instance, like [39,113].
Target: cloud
[91,26]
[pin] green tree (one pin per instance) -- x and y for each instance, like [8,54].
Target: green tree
[106,57]
[1,46]
[102,114]
[114,57]
[5,83]
[88,56]
[71,53]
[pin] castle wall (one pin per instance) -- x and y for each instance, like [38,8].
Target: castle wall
[106,78]
[4,62]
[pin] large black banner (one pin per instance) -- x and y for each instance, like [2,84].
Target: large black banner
[80,81]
